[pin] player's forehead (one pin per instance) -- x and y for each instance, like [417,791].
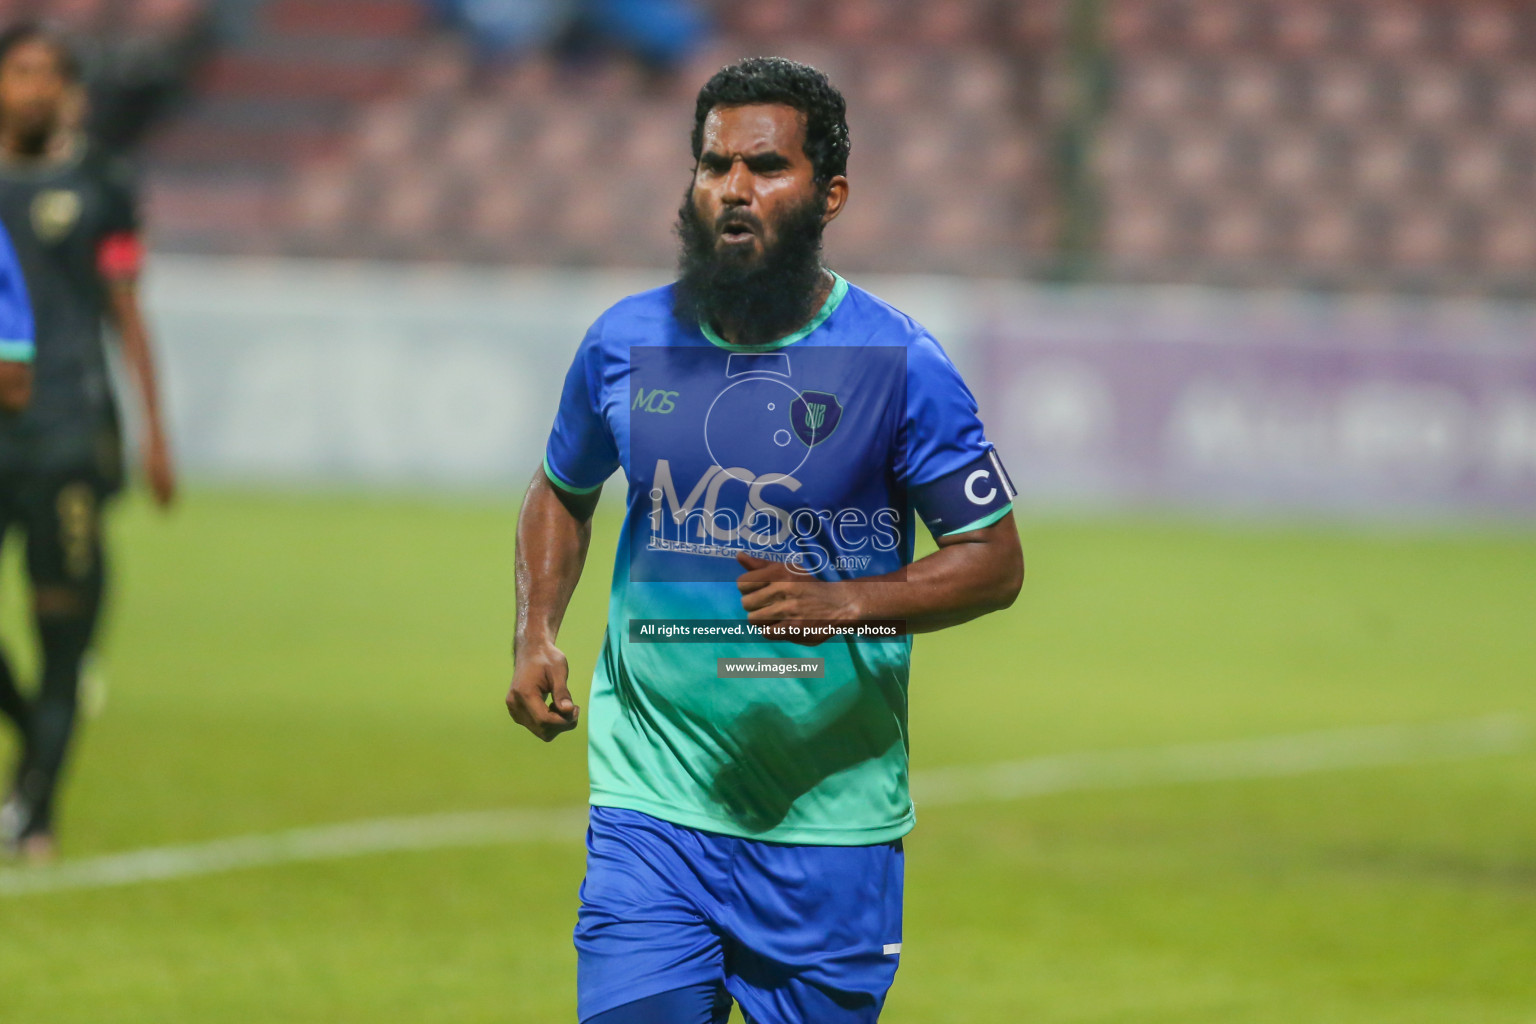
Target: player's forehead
[754,129]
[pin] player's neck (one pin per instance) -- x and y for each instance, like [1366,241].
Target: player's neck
[746,336]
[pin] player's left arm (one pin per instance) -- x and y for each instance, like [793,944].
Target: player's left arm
[972,573]
[958,486]
[128,318]
[119,261]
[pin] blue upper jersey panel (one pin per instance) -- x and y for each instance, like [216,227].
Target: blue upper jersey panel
[814,450]
[16,331]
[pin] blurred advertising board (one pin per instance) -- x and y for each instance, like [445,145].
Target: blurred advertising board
[1243,401]
[303,373]
[298,373]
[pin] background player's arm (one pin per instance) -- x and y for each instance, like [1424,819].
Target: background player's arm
[123,307]
[17,335]
[553,531]
[15,385]
[971,574]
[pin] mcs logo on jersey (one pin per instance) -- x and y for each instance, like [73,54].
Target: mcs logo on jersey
[810,540]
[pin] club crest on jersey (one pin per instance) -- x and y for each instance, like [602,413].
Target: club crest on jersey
[55,212]
[814,416]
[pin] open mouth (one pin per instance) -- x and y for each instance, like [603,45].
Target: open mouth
[737,232]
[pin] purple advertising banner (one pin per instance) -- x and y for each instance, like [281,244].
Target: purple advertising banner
[1219,405]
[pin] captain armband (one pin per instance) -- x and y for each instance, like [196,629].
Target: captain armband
[976,495]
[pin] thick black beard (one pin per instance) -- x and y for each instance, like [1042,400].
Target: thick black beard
[757,299]
[32,140]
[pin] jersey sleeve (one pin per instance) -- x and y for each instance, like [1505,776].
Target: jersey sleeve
[952,473]
[119,249]
[581,453]
[17,340]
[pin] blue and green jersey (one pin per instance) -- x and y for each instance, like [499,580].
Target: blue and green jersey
[815,450]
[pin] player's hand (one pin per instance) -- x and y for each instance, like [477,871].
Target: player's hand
[539,700]
[774,595]
[159,470]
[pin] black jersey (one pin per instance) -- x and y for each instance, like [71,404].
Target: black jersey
[63,214]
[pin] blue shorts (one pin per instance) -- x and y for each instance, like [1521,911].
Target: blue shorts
[796,934]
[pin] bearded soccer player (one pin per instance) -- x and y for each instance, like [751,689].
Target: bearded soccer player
[70,212]
[778,427]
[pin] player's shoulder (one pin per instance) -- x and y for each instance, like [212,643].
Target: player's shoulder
[634,319]
[881,323]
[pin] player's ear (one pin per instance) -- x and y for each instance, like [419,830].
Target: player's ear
[837,196]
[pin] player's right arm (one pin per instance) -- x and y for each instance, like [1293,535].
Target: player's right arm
[552,535]
[553,531]
[16,334]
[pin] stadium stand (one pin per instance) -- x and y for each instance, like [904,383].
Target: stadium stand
[583,165]
[1368,143]
[1380,143]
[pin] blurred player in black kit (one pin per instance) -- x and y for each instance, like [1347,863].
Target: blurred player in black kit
[71,213]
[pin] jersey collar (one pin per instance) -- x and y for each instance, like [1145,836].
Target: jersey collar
[835,299]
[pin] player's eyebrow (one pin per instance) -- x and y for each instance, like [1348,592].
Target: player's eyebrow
[758,163]
[771,161]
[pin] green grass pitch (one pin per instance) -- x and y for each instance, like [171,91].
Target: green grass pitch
[284,661]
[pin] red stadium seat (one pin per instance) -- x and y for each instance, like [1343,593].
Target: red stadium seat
[408,204]
[1216,25]
[1304,28]
[1423,239]
[477,137]
[1326,236]
[1154,88]
[1516,103]
[389,131]
[1436,95]
[1344,92]
[1236,231]
[1510,241]
[1396,29]
[1381,163]
[1484,31]
[1473,167]
[324,198]
[1251,90]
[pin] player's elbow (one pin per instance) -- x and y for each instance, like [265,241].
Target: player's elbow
[1009,578]
[15,386]
[998,586]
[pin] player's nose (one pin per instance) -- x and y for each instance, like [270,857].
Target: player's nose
[737,190]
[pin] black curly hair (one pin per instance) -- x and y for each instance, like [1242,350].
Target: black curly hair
[778,80]
[29,31]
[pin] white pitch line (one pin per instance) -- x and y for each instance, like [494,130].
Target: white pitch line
[324,842]
[1259,758]
[1267,757]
